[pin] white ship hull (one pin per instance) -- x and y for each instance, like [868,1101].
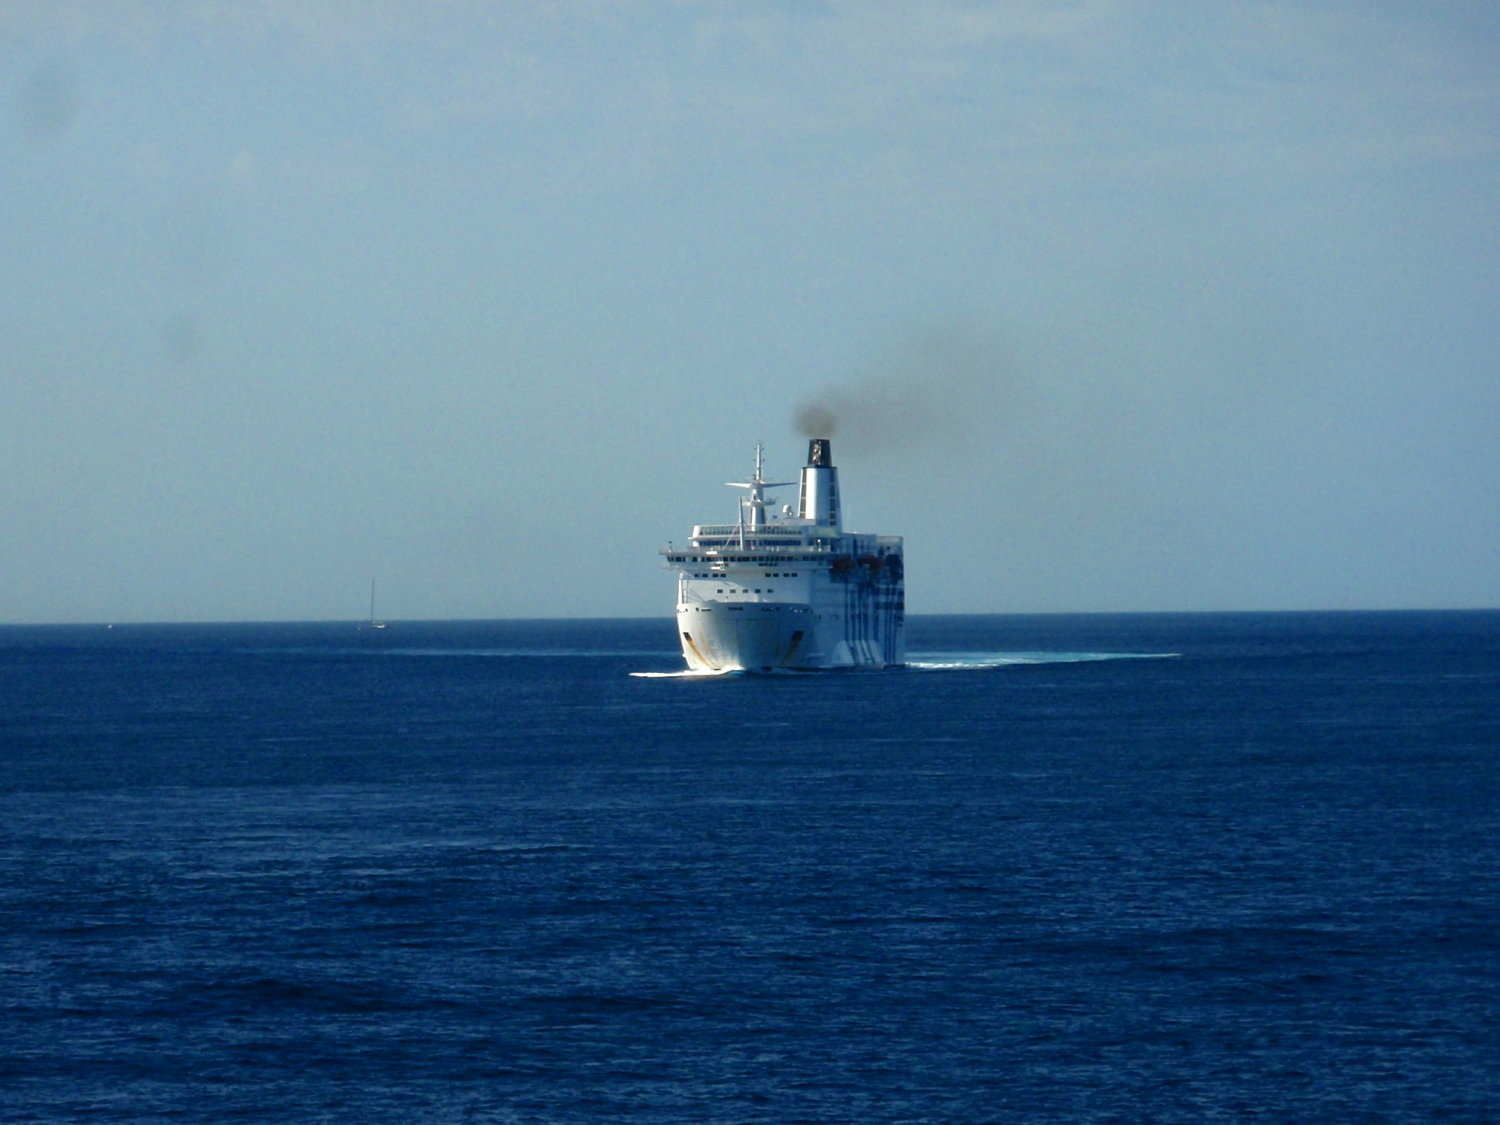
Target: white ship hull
[790,592]
[767,637]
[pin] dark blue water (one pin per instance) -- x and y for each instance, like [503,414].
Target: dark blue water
[1158,868]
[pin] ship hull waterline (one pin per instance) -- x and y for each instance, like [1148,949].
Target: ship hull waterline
[771,638]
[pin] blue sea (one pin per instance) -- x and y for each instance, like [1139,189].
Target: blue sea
[1160,868]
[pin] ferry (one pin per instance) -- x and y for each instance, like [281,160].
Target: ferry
[789,590]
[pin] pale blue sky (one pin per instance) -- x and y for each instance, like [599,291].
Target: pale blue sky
[1123,305]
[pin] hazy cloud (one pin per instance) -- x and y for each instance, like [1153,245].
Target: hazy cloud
[47,103]
[1161,306]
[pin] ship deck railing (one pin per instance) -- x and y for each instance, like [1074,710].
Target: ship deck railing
[764,531]
[712,547]
[738,550]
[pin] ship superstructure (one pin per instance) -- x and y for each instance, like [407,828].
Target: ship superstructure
[792,589]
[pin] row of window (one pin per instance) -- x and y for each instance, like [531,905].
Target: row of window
[744,560]
[768,574]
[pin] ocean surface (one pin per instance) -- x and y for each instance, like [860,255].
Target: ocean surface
[1164,868]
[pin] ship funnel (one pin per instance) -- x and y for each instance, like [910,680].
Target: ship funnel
[818,499]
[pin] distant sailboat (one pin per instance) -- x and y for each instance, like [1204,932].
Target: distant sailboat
[375,623]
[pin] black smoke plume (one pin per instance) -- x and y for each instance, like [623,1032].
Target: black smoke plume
[941,388]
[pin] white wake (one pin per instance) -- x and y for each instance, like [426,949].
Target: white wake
[970,661]
[949,662]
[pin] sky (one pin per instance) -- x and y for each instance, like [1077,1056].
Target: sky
[1109,305]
